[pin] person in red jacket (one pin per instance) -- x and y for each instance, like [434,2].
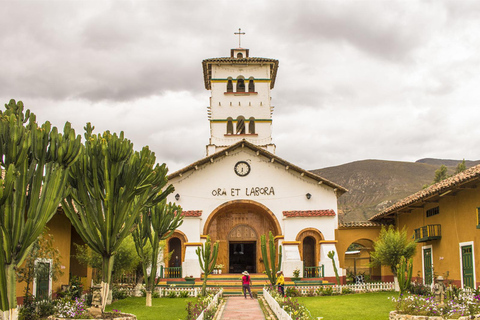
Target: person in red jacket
[246,283]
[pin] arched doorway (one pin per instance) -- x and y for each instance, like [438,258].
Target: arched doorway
[357,262]
[242,241]
[308,248]
[309,239]
[175,252]
[174,248]
[238,226]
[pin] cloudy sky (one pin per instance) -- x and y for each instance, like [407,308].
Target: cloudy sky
[392,80]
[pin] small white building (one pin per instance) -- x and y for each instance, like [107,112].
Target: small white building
[242,190]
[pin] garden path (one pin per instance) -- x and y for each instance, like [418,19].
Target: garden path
[239,308]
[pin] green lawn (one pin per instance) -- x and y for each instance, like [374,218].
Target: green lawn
[162,308]
[359,306]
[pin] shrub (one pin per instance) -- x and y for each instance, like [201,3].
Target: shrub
[420,289]
[325,291]
[119,294]
[292,292]
[311,293]
[184,294]
[34,309]
[172,294]
[346,290]
[74,309]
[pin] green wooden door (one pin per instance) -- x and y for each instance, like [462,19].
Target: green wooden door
[42,279]
[427,265]
[467,266]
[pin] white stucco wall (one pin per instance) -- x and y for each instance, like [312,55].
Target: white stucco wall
[224,105]
[203,189]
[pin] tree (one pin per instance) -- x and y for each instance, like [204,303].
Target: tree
[34,165]
[109,187]
[156,224]
[440,174]
[126,259]
[390,247]
[271,272]
[207,257]
[461,167]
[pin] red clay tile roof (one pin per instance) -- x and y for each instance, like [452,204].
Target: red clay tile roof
[192,213]
[359,224]
[309,213]
[435,190]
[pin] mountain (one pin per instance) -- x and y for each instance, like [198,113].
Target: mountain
[376,184]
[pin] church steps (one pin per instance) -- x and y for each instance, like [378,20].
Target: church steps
[231,283]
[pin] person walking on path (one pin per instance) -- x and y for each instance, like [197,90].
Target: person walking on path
[246,283]
[281,283]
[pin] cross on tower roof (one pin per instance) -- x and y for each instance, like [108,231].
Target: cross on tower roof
[239,34]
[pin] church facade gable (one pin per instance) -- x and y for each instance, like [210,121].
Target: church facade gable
[260,199]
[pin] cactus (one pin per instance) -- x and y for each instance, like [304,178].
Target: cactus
[156,224]
[331,255]
[404,274]
[207,259]
[109,186]
[35,161]
[271,272]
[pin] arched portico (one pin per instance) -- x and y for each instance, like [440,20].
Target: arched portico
[238,226]
[364,234]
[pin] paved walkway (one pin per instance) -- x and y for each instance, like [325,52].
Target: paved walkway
[239,308]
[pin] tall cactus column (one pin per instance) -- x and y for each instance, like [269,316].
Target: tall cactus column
[35,161]
[270,260]
[207,257]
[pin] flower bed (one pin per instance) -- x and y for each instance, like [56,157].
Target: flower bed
[464,305]
[203,308]
[107,315]
[285,308]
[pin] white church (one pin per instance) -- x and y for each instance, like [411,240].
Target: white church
[242,190]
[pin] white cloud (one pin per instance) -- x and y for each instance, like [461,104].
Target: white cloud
[357,79]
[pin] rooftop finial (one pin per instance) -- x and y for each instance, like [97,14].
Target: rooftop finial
[239,34]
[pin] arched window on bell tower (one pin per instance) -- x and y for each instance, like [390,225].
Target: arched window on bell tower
[229,125]
[229,85]
[251,125]
[240,125]
[240,85]
[251,85]
[239,55]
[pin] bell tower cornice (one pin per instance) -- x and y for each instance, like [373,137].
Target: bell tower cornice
[238,62]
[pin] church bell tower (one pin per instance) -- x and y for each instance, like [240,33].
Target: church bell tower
[240,106]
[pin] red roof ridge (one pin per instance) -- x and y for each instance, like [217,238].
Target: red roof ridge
[310,213]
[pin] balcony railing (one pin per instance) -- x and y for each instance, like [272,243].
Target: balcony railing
[313,272]
[428,232]
[172,272]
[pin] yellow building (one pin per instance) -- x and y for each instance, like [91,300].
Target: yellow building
[444,221]
[64,236]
